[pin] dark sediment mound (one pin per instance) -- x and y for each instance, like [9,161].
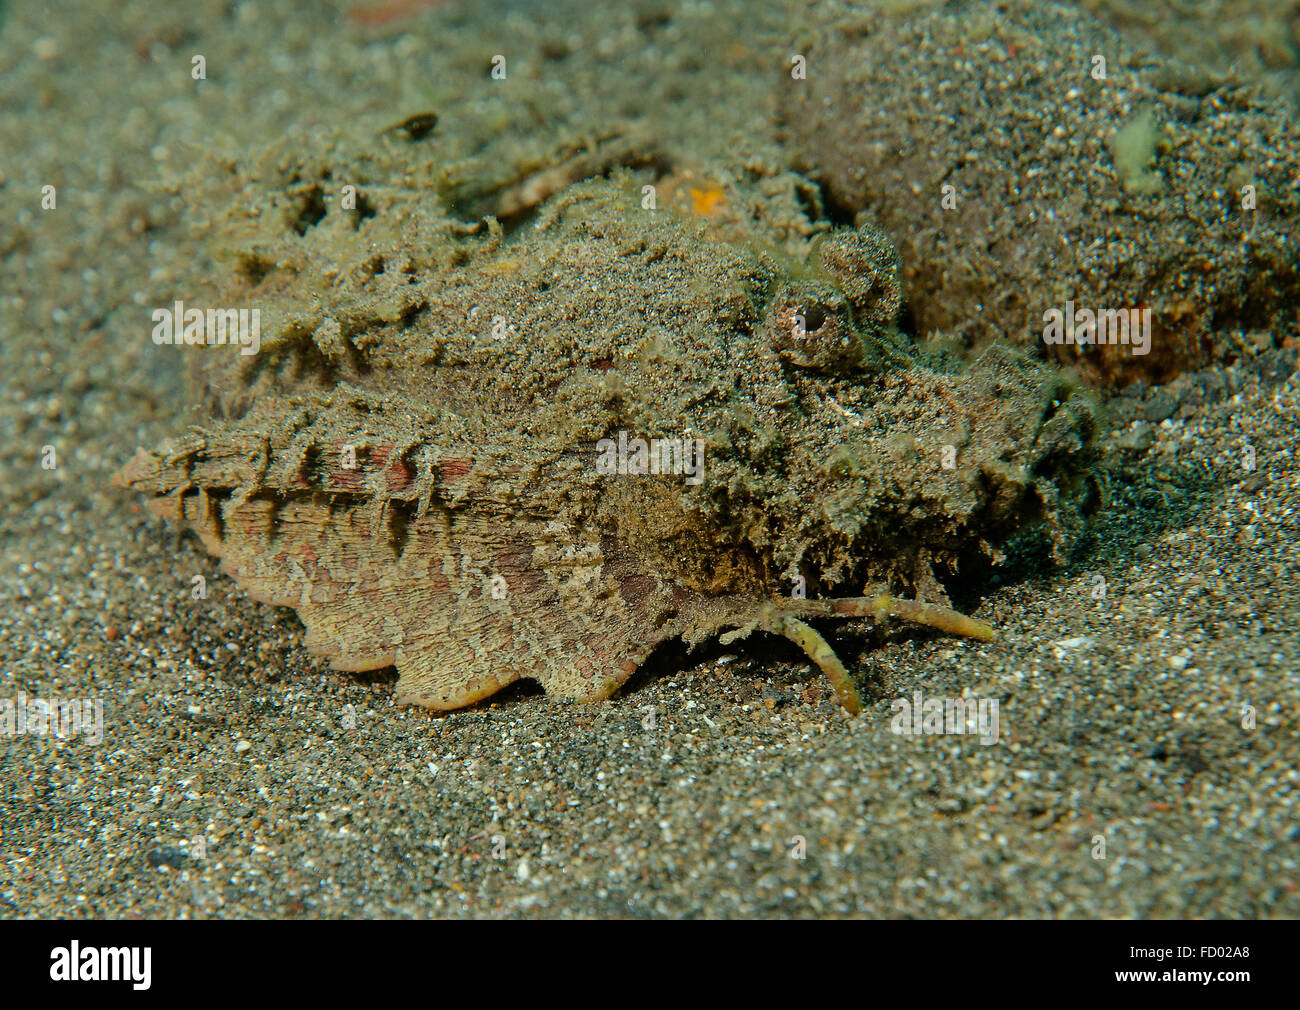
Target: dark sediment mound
[1127,191]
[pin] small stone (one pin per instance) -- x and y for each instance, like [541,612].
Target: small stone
[1159,407]
[1138,438]
[168,856]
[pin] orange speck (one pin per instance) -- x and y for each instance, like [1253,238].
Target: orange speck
[706,201]
[389,11]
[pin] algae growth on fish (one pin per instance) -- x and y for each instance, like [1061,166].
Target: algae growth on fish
[483,458]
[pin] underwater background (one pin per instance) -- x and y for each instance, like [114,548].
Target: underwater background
[1145,670]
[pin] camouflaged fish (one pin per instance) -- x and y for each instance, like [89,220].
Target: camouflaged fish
[483,459]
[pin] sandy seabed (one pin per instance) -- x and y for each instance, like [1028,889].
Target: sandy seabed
[1146,760]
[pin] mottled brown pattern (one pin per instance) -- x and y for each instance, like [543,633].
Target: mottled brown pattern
[474,543]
